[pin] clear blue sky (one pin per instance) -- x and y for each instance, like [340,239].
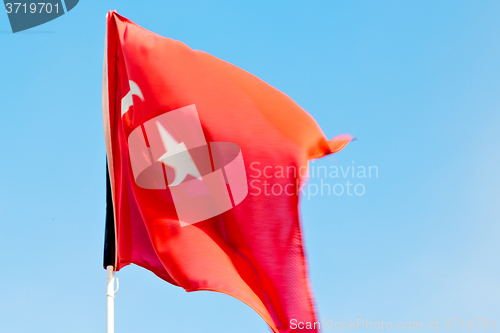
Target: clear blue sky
[418,82]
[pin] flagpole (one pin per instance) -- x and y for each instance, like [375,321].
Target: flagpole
[111,299]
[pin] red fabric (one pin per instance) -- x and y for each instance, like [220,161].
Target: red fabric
[252,251]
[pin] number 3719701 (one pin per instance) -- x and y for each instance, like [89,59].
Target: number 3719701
[33,8]
[471,323]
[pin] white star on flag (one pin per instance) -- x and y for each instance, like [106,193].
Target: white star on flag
[177,157]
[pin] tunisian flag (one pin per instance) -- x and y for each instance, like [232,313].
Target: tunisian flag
[205,162]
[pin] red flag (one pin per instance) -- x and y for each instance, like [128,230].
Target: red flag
[205,161]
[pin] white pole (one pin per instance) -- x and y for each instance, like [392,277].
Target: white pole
[111,299]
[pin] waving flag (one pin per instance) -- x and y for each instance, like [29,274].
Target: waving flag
[205,164]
